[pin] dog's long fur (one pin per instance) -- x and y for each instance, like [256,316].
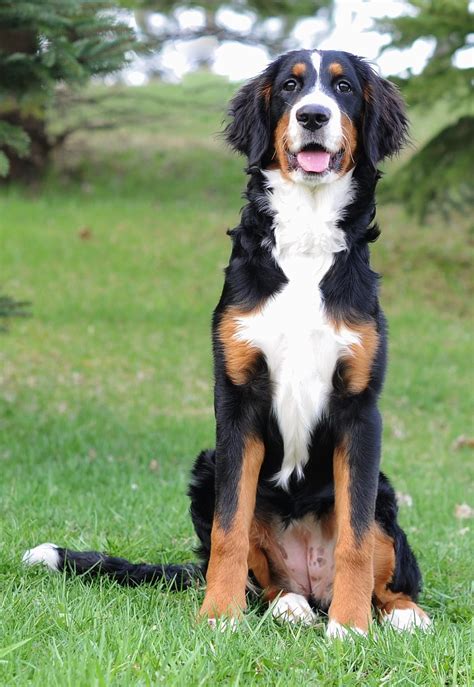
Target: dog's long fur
[291,501]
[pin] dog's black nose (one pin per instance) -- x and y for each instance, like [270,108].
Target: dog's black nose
[313,117]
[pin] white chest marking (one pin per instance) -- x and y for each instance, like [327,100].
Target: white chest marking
[292,330]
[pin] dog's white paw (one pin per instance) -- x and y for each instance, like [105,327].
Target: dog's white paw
[407,620]
[335,630]
[293,608]
[46,554]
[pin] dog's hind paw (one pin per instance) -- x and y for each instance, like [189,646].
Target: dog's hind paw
[408,620]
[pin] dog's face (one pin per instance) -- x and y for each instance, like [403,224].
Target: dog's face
[315,115]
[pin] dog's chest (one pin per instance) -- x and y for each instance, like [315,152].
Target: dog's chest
[301,347]
[300,343]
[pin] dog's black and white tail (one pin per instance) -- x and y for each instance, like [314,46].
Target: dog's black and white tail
[93,564]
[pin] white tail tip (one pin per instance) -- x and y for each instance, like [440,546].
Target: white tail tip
[46,554]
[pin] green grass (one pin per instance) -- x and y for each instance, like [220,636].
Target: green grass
[106,397]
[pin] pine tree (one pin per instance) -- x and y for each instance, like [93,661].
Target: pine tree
[44,43]
[439,175]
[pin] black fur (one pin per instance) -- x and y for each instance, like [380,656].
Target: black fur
[350,292]
[302,498]
[385,124]
[90,564]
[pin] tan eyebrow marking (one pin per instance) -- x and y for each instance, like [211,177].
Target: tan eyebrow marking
[335,69]
[299,69]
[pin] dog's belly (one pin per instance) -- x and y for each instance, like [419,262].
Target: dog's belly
[301,347]
[302,556]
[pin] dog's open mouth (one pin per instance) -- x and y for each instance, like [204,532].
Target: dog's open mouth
[315,159]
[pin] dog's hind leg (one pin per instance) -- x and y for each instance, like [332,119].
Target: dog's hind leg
[397,580]
[397,577]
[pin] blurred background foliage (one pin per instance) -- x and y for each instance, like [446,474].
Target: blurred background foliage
[287,11]
[437,177]
[44,45]
[51,50]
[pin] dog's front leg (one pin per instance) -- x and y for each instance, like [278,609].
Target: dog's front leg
[356,468]
[239,456]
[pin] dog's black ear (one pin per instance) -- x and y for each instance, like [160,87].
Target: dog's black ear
[385,124]
[249,131]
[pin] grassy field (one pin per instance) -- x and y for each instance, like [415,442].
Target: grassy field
[105,398]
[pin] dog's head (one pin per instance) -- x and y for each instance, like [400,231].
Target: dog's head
[315,115]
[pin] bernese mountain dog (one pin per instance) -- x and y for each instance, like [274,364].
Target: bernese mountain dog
[291,502]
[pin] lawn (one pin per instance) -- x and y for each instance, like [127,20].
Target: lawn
[106,397]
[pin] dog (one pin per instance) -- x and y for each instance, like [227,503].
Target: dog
[291,503]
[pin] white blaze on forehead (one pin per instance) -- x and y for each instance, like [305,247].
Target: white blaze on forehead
[331,134]
[316,60]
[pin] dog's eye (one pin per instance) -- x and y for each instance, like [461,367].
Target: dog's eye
[343,87]
[290,85]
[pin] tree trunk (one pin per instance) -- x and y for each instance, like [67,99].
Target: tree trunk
[29,167]
[33,163]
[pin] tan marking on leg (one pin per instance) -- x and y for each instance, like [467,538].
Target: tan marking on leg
[384,565]
[349,133]
[335,69]
[240,357]
[385,599]
[258,564]
[228,565]
[280,143]
[354,576]
[258,561]
[299,69]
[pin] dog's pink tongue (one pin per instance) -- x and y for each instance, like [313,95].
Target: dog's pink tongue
[314,160]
